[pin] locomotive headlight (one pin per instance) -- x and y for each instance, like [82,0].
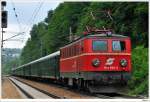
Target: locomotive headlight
[96,62]
[123,62]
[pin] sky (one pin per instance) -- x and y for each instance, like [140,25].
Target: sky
[25,9]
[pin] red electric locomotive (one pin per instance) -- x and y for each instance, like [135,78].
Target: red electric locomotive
[97,60]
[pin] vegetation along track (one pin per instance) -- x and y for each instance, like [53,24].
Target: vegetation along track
[116,96]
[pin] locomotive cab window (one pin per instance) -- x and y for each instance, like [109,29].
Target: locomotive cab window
[99,45]
[118,45]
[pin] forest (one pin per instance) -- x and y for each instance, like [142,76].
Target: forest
[129,19]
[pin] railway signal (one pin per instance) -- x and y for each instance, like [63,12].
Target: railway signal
[4,19]
[3,15]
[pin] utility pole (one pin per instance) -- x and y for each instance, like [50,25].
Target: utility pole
[71,35]
[2,38]
[4,25]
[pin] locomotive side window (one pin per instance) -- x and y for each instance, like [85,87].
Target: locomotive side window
[118,45]
[99,45]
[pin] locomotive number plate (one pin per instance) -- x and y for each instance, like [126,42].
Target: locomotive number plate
[111,68]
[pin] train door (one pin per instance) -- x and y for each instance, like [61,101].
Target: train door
[29,70]
[56,66]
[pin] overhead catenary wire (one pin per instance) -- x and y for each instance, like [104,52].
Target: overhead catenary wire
[19,24]
[35,10]
[34,15]
[31,20]
[21,40]
[16,16]
[14,36]
[11,31]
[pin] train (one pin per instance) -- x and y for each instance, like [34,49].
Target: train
[98,61]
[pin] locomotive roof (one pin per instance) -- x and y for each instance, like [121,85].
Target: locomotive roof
[41,59]
[105,35]
[97,35]
[102,36]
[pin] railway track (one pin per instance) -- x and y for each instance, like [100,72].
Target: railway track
[31,92]
[73,92]
[56,92]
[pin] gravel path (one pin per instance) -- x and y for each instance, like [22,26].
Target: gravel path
[9,91]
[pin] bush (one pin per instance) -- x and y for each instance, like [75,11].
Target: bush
[139,81]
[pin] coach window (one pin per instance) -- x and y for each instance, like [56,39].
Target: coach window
[118,45]
[99,45]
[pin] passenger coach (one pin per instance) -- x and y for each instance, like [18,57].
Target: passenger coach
[45,67]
